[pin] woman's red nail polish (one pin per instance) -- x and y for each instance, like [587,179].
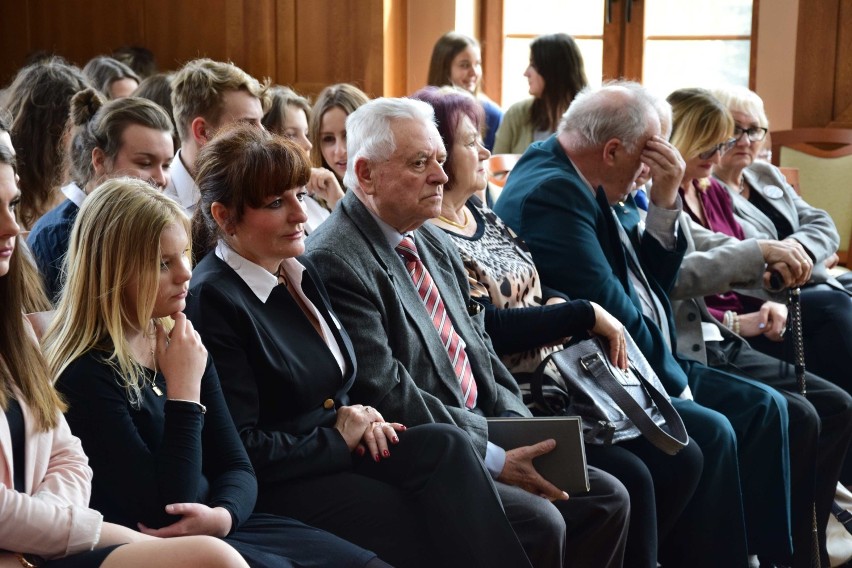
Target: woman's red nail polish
[360,452]
[386,453]
[395,440]
[377,458]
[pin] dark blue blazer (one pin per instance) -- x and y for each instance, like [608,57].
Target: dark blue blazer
[49,243]
[575,245]
[281,382]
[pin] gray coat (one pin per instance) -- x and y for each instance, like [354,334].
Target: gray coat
[812,227]
[403,368]
[713,263]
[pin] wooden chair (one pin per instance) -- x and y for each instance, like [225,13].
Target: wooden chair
[499,167]
[792,175]
[823,157]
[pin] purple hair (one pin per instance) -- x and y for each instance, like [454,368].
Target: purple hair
[450,105]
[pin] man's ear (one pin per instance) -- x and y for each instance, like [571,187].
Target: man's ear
[200,130]
[610,151]
[365,174]
[99,162]
[222,217]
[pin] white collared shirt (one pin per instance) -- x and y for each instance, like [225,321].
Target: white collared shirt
[182,187]
[316,214]
[73,192]
[262,282]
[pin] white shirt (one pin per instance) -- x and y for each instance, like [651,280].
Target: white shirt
[182,187]
[73,192]
[316,214]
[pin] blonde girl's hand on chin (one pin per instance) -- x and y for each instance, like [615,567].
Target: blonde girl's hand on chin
[182,358]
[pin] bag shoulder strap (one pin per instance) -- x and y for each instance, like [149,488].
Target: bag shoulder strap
[669,443]
[537,379]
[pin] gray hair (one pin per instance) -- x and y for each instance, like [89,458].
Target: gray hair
[369,134]
[741,99]
[617,109]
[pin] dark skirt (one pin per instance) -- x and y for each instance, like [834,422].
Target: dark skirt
[90,559]
[265,541]
[270,541]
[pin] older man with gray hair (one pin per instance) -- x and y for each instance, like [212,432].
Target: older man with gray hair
[382,267]
[568,198]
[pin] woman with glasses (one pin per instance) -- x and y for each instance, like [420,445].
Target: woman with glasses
[701,128]
[766,206]
[819,426]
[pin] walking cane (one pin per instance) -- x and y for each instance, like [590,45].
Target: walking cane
[794,301]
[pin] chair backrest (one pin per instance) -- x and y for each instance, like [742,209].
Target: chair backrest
[823,157]
[499,167]
[818,142]
[792,175]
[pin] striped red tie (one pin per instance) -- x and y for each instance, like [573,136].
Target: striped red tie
[453,343]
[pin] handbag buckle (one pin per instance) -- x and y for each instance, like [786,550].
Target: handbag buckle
[584,361]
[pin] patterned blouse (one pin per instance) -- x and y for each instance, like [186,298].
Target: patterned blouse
[501,271]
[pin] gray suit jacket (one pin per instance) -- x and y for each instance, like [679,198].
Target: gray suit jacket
[713,263]
[812,227]
[403,368]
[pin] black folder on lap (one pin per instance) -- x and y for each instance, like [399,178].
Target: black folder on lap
[565,466]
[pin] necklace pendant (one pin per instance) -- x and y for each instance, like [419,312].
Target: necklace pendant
[156,389]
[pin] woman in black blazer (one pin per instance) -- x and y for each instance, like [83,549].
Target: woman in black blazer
[418,497]
[146,402]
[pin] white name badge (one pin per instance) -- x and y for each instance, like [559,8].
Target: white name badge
[773,192]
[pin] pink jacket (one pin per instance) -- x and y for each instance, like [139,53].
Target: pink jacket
[51,518]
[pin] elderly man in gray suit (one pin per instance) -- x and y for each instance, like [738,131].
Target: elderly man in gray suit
[422,351]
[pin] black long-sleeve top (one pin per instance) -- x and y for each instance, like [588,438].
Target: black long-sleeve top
[158,453]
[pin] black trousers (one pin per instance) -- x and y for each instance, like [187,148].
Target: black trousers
[820,432]
[432,503]
[827,326]
[660,486]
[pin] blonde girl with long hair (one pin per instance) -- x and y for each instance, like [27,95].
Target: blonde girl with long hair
[44,477]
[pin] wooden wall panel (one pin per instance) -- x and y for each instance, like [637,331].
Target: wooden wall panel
[241,31]
[842,116]
[75,29]
[14,38]
[816,60]
[396,48]
[303,43]
[339,41]
[180,31]
[285,41]
[491,40]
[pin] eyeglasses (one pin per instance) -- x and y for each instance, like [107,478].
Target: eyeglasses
[721,148]
[755,133]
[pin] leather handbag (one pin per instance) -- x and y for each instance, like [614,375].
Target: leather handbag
[615,405]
